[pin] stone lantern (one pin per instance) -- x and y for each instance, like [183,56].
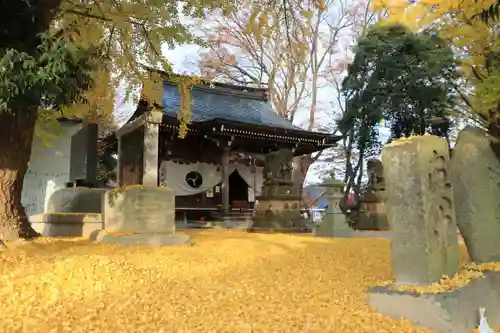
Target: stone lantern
[333,223]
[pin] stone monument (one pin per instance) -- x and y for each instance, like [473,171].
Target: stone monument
[279,203]
[140,215]
[475,176]
[424,232]
[420,210]
[372,202]
[333,223]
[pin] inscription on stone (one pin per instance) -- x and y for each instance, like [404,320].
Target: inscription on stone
[420,210]
[140,210]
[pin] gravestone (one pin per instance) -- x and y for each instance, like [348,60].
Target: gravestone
[333,223]
[475,176]
[420,210]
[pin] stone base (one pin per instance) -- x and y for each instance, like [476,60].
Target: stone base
[371,223]
[277,230]
[76,200]
[140,239]
[284,219]
[333,231]
[66,224]
[456,311]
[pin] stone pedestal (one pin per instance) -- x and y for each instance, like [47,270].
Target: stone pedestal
[139,209]
[279,212]
[454,311]
[139,215]
[66,224]
[71,212]
[373,213]
[475,176]
[420,210]
[76,200]
[333,223]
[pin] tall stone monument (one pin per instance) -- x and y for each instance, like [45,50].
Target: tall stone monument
[333,223]
[420,210]
[475,175]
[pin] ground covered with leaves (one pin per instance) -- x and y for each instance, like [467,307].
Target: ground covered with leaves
[228,281]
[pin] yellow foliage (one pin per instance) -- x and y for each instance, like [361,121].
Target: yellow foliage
[130,34]
[47,127]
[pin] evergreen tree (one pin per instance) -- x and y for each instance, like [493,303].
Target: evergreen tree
[403,78]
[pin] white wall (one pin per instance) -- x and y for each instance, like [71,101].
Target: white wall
[48,169]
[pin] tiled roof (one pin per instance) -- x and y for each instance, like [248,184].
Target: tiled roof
[210,105]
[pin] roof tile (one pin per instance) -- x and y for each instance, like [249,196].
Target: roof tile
[214,105]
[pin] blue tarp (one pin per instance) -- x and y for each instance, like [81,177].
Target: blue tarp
[315,192]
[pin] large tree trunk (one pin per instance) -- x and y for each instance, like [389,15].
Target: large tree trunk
[16,136]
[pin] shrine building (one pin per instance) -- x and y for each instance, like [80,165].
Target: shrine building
[218,165]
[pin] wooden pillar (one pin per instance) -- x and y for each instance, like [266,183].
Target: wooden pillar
[225,180]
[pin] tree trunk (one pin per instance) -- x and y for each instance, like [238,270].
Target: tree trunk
[300,165]
[16,136]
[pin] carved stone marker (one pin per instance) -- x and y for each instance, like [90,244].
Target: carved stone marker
[333,223]
[420,210]
[138,209]
[475,176]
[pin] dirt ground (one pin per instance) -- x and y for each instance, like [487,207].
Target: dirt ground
[227,281]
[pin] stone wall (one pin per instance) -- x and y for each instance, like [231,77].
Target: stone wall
[48,169]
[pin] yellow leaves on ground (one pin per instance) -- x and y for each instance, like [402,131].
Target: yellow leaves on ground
[468,273]
[464,277]
[228,281]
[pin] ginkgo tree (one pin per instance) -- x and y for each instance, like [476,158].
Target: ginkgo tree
[68,56]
